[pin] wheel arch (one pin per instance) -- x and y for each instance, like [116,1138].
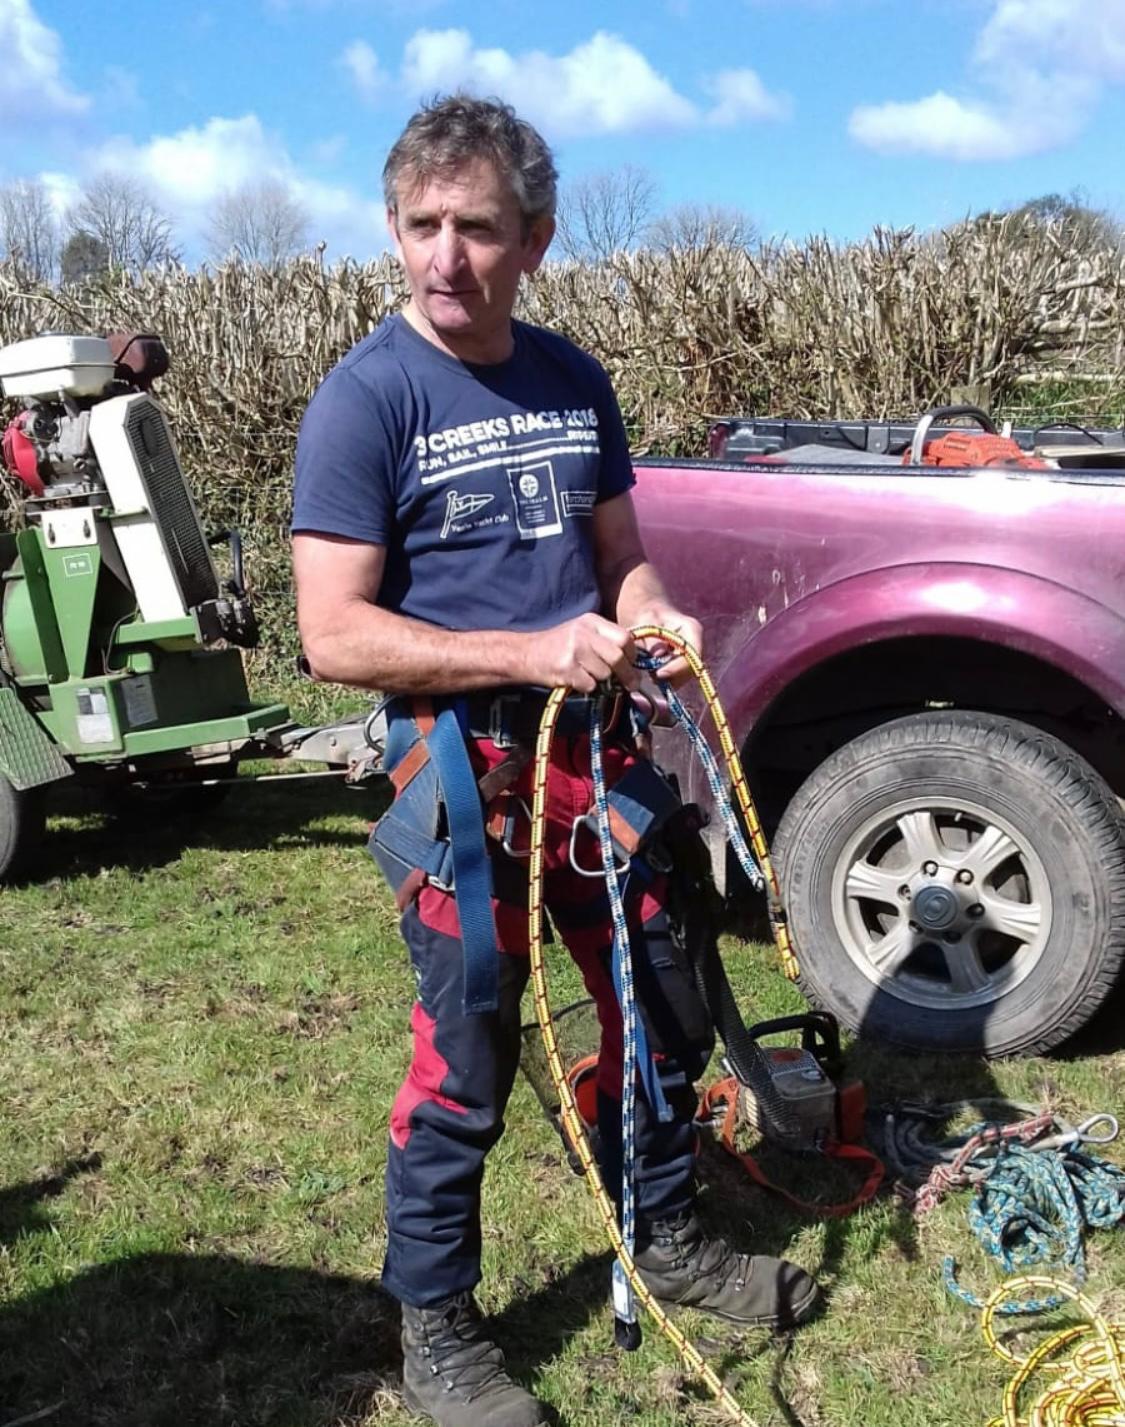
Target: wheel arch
[864,652]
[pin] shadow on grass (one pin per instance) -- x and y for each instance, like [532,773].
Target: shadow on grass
[169,1340]
[85,839]
[176,1340]
[20,1213]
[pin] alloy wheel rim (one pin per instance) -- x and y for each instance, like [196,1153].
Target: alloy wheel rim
[944,904]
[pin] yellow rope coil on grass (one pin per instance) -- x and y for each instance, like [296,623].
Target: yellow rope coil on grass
[1088,1387]
[571,1119]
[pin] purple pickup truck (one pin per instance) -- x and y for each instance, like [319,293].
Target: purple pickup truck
[924,667]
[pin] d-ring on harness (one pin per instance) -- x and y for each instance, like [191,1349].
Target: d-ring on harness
[628,1283]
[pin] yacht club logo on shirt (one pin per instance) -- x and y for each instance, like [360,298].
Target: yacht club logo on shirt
[458,510]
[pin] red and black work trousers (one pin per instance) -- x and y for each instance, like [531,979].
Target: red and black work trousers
[449,1111]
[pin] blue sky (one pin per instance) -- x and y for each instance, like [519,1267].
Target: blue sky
[811,115]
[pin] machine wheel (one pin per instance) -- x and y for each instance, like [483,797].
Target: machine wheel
[956,882]
[22,819]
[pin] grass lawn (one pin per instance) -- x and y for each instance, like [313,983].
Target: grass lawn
[203,1028]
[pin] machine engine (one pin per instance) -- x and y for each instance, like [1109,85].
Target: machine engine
[96,457]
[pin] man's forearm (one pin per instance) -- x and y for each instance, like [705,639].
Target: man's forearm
[373,648]
[635,594]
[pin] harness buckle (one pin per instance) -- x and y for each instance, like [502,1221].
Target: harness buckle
[499,724]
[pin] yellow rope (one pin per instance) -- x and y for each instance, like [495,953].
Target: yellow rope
[739,786]
[1088,1387]
[571,1119]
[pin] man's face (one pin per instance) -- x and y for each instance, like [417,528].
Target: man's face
[462,242]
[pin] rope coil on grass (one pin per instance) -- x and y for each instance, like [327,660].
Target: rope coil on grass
[1030,1209]
[1088,1389]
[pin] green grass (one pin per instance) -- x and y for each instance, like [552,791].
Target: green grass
[203,1028]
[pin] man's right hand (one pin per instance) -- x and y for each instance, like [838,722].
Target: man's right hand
[581,654]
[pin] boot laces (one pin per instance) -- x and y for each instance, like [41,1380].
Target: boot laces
[460,1350]
[707,1258]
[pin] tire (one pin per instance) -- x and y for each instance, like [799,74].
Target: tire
[22,819]
[956,882]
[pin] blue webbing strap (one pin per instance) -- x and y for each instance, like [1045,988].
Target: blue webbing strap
[471,877]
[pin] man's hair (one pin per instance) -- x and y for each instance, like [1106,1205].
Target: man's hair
[448,133]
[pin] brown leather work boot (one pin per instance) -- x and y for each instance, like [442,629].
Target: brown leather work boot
[453,1373]
[684,1268]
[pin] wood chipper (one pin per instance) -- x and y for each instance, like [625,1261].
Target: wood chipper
[120,647]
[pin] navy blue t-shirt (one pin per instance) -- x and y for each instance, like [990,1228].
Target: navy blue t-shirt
[481,481]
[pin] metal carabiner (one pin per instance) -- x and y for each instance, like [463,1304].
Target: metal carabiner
[1086,1130]
[523,854]
[590,822]
[1083,1134]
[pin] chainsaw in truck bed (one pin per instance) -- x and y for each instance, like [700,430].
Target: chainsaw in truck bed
[120,647]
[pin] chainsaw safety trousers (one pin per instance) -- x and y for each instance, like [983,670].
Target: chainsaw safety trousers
[450,1108]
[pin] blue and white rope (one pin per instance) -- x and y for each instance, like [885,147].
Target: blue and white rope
[710,763]
[1029,1211]
[623,1303]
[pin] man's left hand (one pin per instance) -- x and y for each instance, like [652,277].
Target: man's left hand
[677,671]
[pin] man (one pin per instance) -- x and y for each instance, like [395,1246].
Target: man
[464,538]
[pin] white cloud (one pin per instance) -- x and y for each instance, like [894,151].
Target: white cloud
[740,95]
[32,89]
[188,170]
[362,63]
[1077,37]
[602,86]
[944,127]
[1040,65]
[62,189]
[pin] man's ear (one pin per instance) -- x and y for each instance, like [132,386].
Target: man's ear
[392,229]
[538,240]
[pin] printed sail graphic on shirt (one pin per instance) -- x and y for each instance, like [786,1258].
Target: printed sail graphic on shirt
[536,500]
[460,507]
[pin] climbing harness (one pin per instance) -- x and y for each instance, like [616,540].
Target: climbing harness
[1087,1387]
[629,1287]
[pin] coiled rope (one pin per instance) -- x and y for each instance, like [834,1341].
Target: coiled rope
[1030,1210]
[622,1242]
[1088,1386]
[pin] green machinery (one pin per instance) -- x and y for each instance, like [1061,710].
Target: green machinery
[120,648]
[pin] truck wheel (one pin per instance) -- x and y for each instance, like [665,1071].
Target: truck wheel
[956,881]
[22,818]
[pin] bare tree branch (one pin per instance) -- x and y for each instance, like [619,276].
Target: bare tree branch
[605,213]
[258,223]
[692,227]
[29,229]
[120,214]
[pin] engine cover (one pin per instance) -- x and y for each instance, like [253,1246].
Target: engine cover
[156,523]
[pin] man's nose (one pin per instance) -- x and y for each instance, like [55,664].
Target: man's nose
[449,252]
